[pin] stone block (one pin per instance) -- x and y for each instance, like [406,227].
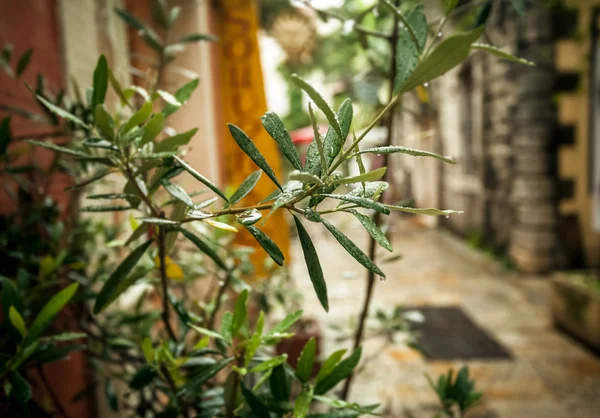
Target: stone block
[533,238]
[533,262]
[533,187]
[537,215]
[538,162]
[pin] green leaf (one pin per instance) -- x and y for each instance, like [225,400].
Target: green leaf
[426,211]
[258,408]
[178,192]
[447,55]
[484,14]
[100,82]
[57,148]
[158,221]
[369,176]
[302,405]
[353,249]
[198,379]
[66,336]
[10,297]
[333,145]
[318,139]
[21,390]
[23,62]
[312,263]
[107,291]
[407,53]
[520,7]
[201,178]
[337,413]
[240,313]
[5,134]
[502,54]
[370,190]
[107,208]
[17,320]
[202,246]
[304,177]
[276,129]
[104,122]
[372,229]
[449,6]
[329,364]
[280,383]
[153,128]
[267,243]
[61,112]
[196,37]
[246,187]
[361,201]
[49,311]
[289,320]
[138,118]
[320,103]
[269,364]
[207,332]
[168,98]
[393,149]
[182,95]
[117,88]
[143,377]
[99,143]
[306,360]
[246,144]
[149,36]
[339,373]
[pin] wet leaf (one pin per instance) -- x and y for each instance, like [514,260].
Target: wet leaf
[361,201]
[372,229]
[502,54]
[276,129]
[304,177]
[246,144]
[368,176]
[57,148]
[153,128]
[182,95]
[353,249]
[202,246]
[393,149]
[269,364]
[201,178]
[318,100]
[267,243]
[249,217]
[178,192]
[172,143]
[312,263]
[426,211]
[221,225]
[246,187]
[407,53]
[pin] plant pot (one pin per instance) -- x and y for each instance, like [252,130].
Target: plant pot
[304,330]
[576,306]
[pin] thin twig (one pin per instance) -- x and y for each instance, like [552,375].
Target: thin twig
[218,300]
[164,282]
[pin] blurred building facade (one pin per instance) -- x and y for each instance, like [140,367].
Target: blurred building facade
[527,140]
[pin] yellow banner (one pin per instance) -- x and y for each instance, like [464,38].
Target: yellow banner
[244,103]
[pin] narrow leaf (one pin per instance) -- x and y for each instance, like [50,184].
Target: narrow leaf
[5,134]
[306,360]
[372,229]
[153,128]
[312,263]
[169,98]
[104,122]
[49,311]
[202,246]
[207,332]
[267,243]
[258,408]
[181,95]
[201,178]
[304,177]
[369,176]
[269,364]
[100,82]
[447,55]
[329,364]
[339,373]
[178,192]
[502,54]
[285,324]
[353,249]
[61,112]
[320,103]
[246,187]
[249,217]
[23,62]
[407,52]
[425,211]
[246,144]
[107,208]
[393,149]
[17,321]
[302,405]
[119,274]
[276,129]
[362,201]
[138,118]
[240,313]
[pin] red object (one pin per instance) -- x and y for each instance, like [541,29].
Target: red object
[304,136]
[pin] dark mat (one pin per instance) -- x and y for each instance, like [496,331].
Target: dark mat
[449,334]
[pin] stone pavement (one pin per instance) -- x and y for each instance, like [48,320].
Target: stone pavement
[549,376]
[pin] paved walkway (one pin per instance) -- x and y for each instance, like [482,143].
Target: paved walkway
[549,376]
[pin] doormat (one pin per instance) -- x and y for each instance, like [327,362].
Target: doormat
[447,333]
